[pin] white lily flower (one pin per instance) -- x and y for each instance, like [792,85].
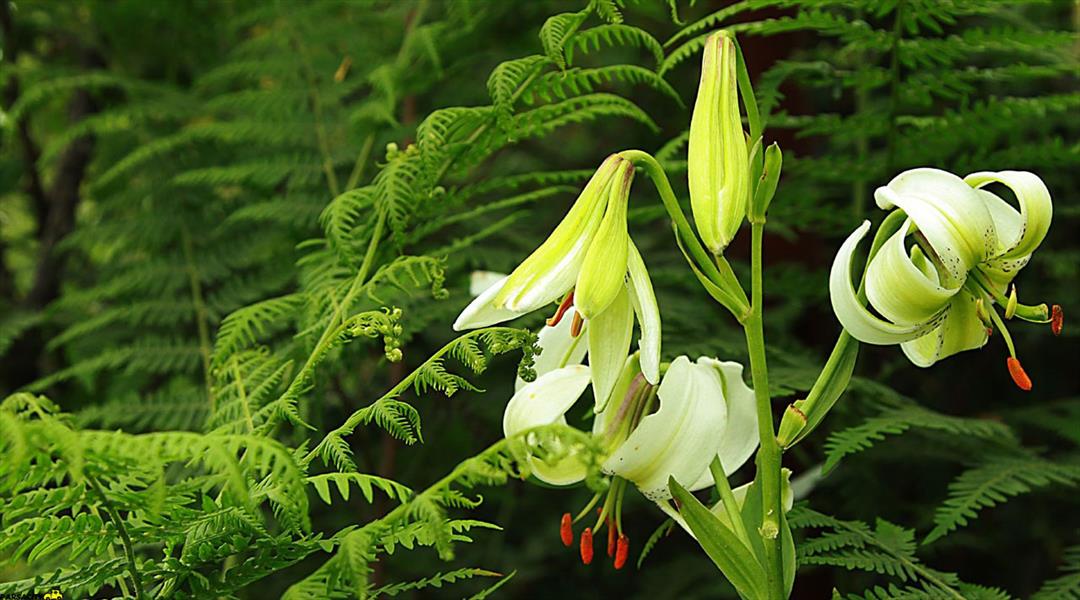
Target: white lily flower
[969,245]
[590,263]
[705,410]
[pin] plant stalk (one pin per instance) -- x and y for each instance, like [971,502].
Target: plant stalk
[769,453]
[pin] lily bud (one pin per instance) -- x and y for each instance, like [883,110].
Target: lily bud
[792,424]
[766,187]
[718,162]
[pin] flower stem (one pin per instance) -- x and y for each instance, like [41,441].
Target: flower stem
[719,272]
[769,453]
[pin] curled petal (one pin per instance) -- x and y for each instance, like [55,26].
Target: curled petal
[1036,210]
[545,402]
[610,334]
[856,319]
[482,311]
[648,315]
[900,290]
[961,330]
[680,439]
[739,438]
[948,212]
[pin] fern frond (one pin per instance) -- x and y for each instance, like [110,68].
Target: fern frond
[995,481]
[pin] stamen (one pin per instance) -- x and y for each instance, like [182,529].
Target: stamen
[610,538]
[1010,306]
[622,551]
[1057,319]
[566,530]
[576,325]
[586,545]
[564,306]
[1018,375]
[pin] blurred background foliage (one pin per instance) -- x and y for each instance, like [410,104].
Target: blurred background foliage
[166,164]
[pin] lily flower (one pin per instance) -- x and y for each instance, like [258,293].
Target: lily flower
[649,433]
[936,294]
[718,164]
[592,265]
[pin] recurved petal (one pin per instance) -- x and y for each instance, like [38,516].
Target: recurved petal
[948,212]
[856,319]
[961,330]
[482,311]
[609,334]
[740,436]
[678,440]
[1036,209]
[898,289]
[648,314]
[545,402]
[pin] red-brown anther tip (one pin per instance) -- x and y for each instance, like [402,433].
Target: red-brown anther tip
[622,551]
[1018,375]
[586,545]
[576,325]
[564,306]
[610,538]
[566,530]
[989,331]
[1057,319]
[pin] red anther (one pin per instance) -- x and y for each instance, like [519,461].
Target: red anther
[576,325]
[566,530]
[586,545]
[1018,375]
[610,538]
[989,331]
[1057,319]
[564,306]
[622,551]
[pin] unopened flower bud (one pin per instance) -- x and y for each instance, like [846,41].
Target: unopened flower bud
[718,161]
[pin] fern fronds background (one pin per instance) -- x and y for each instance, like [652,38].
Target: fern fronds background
[244,382]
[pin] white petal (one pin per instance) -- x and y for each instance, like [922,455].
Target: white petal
[545,402]
[609,344]
[482,311]
[648,315]
[898,289]
[558,348]
[948,212]
[961,330]
[681,438]
[1036,209]
[856,319]
[740,436]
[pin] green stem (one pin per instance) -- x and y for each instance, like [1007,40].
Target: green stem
[769,453]
[719,272]
[727,497]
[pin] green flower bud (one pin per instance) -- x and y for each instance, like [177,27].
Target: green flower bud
[719,166]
